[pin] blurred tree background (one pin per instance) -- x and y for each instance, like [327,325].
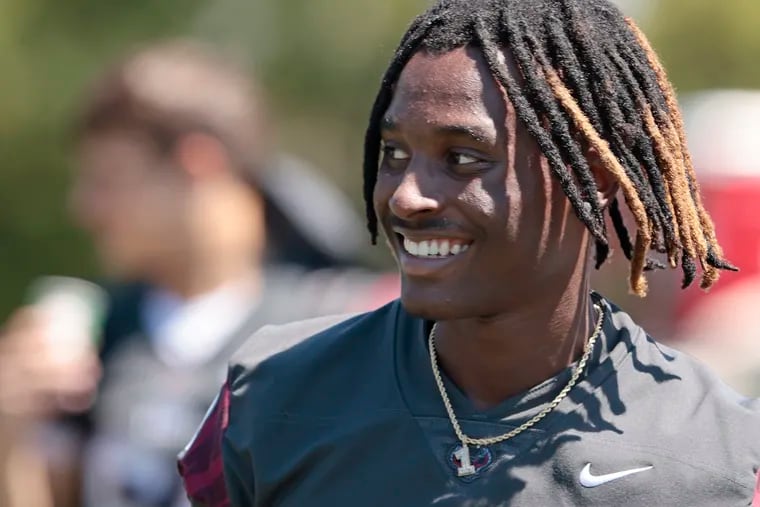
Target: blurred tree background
[320,61]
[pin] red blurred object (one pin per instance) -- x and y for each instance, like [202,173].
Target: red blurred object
[723,130]
[735,209]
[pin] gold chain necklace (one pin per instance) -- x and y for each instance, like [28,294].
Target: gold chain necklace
[466,468]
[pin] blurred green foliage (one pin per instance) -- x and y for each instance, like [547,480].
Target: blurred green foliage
[320,61]
[48,50]
[707,44]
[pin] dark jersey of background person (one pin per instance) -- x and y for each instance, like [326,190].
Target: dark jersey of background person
[149,406]
[295,425]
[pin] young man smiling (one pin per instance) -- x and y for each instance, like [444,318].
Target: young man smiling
[507,130]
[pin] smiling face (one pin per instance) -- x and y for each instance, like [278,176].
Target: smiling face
[471,212]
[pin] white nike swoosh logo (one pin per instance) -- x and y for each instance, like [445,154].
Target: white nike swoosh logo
[589,480]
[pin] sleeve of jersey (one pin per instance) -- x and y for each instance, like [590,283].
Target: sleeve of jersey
[201,464]
[756,497]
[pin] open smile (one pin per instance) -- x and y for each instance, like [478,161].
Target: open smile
[441,247]
[430,256]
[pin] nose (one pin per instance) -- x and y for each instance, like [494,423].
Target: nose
[413,197]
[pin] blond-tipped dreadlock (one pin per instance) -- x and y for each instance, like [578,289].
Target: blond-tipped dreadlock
[585,69]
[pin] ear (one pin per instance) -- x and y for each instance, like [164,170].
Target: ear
[607,186]
[201,155]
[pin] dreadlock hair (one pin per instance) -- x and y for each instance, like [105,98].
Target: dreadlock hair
[588,78]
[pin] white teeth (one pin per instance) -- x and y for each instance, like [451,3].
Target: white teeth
[434,248]
[411,247]
[444,248]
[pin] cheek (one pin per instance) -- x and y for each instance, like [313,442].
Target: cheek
[490,202]
[385,186]
[142,214]
[531,191]
[87,207]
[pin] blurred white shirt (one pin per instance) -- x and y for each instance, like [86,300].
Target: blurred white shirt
[186,332]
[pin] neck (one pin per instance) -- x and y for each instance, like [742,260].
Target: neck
[223,241]
[492,359]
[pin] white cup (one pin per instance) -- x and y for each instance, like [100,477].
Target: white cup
[73,311]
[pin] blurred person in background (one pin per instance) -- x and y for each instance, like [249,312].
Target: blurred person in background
[209,235]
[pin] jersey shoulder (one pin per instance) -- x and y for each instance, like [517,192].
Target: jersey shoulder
[676,406]
[671,371]
[696,380]
[272,340]
[295,367]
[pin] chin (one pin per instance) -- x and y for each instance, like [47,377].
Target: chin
[117,268]
[452,301]
[434,304]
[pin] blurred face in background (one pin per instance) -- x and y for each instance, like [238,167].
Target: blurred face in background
[131,201]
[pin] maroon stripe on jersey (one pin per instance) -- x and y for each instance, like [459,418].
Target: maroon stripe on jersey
[200,465]
[756,500]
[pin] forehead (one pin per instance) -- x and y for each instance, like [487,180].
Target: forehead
[456,85]
[122,141]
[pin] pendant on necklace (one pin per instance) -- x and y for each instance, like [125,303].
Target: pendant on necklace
[465,466]
[468,462]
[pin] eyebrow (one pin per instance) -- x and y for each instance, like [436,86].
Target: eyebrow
[388,124]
